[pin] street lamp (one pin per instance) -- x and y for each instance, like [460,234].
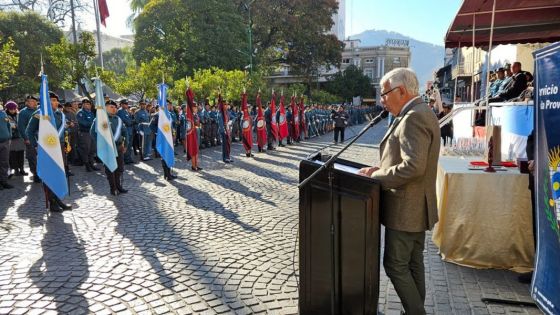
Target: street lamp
[247,7]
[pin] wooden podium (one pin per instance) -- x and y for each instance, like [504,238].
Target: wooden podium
[343,279]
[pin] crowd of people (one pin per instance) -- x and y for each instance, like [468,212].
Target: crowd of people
[136,128]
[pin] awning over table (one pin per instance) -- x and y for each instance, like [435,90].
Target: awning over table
[515,21]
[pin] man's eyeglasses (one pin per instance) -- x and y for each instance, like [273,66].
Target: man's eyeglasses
[391,90]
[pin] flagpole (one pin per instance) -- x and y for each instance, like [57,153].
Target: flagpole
[97,23]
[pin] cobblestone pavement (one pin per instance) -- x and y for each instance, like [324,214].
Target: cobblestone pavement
[219,241]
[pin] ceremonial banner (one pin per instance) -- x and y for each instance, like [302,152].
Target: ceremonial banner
[106,149]
[274,123]
[303,123]
[192,136]
[282,124]
[50,164]
[164,139]
[247,125]
[295,117]
[545,287]
[261,124]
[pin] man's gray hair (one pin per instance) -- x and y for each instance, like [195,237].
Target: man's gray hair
[402,76]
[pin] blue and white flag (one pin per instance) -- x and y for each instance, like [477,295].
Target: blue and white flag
[50,164]
[164,140]
[106,149]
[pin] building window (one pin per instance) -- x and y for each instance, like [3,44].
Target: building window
[369,60]
[368,72]
[396,60]
[346,60]
[357,62]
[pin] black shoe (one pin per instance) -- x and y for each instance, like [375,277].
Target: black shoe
[10,175]
[270,148]
[281,145]
[122,190]
[6,185]
[22,172]
[88,168]
[93,167]
[61,204]
[54,207]
[249,154]
[36,179]
[227,161]
[69,173]
[129,162]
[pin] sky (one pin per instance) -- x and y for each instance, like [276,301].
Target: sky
[426,20]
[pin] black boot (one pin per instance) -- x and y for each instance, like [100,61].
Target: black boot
[61,204]
[22,171]
[88,168]
[53,206]
[118,183]
[112,185]
[93,167]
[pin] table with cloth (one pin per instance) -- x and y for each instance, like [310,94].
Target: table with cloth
[485,219]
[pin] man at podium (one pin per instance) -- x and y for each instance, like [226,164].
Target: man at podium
[407,174]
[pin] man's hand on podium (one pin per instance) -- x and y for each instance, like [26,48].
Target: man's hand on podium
[367,171]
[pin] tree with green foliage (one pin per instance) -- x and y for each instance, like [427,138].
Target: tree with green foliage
[349,83]
[293,32]
[324,97]
[117,60]
[142,81]
[32,34]
[75,58]
[190,34]
[9,60]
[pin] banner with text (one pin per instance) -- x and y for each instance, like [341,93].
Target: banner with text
[545,286]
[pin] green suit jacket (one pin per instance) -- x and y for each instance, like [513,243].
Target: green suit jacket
[408,169]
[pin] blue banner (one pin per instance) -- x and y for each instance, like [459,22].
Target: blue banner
[545,288]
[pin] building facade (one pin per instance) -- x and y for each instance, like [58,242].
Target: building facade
[375,61]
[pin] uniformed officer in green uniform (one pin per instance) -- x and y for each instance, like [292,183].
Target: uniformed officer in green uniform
[32,132]
[23,120]
[121,141]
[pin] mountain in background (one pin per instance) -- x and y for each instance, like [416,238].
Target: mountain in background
[426,57]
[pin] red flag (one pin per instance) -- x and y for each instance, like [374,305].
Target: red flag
[103,11]
[282,124]
[274,124]
[295,119]
[261,124]
[192,137]
[302,117]
[247,125]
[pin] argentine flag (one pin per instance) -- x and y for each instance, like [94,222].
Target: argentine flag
[106,149]
[50,165]
[164,140]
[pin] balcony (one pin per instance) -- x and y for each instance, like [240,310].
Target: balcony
[461,71]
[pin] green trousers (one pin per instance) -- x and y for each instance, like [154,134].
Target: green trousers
[404,264]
